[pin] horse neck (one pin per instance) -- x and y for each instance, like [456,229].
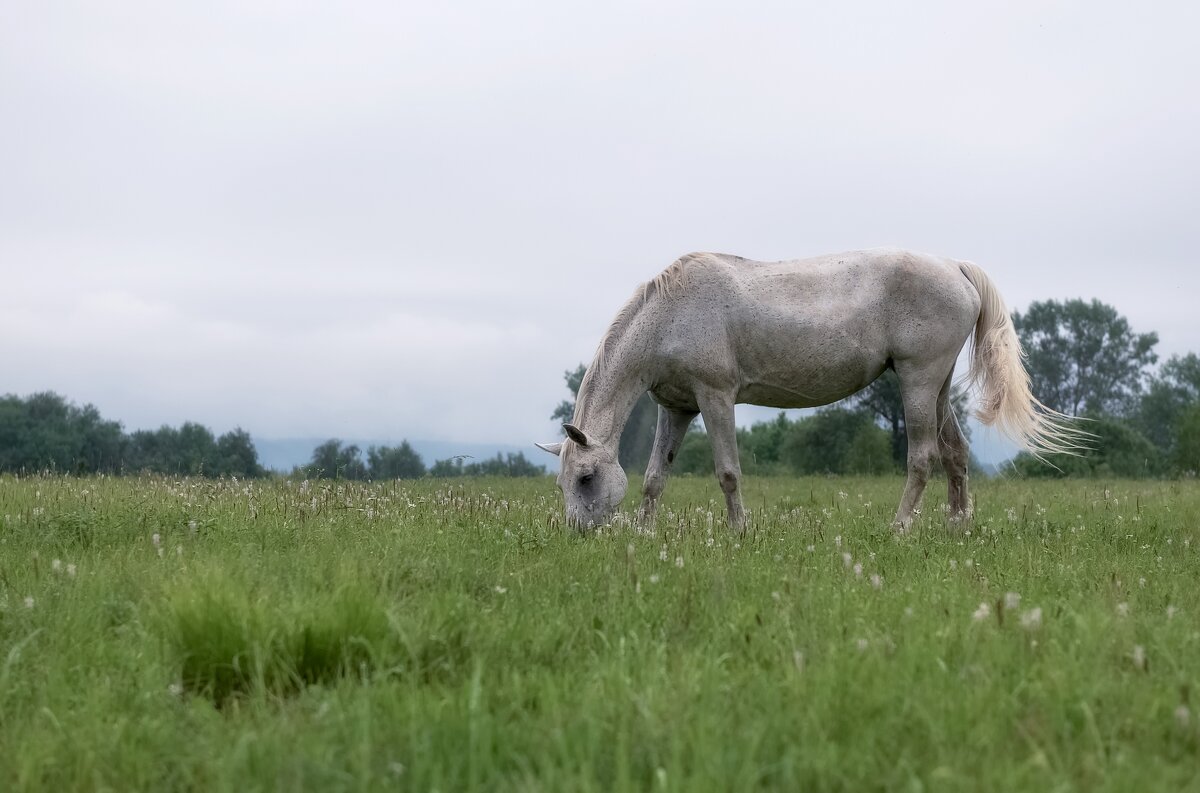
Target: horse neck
[604,408]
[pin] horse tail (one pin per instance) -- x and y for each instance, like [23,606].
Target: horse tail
[998,374]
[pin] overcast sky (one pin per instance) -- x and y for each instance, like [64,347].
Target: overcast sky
[407,219]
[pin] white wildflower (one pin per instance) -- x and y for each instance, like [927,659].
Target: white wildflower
[679,561]
[71,570]
[1032,620]
[1183,716]
[877,580]
[654,578]
[1138,656]
[175,689]
[156,539]
[982,613]
[662,555]
[862,645]
[1171,612]
[858,570]
[500,590]
[847,560]
[56,565]
[1122,609]
[1012,600]
[29,601]
[837,541]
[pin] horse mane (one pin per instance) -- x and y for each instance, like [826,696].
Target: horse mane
[666,283]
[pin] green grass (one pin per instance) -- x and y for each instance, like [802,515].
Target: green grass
[333,636]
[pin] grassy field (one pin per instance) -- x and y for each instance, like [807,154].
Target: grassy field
[193,635]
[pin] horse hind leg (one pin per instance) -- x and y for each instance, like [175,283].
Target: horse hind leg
[920,387]
[955,452]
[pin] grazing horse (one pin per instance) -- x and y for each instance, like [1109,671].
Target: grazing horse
[713,330]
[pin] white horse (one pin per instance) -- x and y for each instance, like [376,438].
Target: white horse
[713,330]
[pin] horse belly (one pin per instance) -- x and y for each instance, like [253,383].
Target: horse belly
[807,369]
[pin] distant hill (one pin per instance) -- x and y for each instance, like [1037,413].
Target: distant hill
[284,454]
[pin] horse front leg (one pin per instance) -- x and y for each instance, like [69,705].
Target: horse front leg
[717,411]
[672,426]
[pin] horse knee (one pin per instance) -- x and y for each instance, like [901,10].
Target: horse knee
[655,482]
[728,479]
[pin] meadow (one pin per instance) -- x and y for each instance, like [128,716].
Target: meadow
[168,634]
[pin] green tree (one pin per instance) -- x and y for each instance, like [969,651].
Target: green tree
[836,441]
[153,450]
[1083,357]
[196,452]
[761,445]
[637,439]
[1185,458]
[447,469]
[46,432]
[505,465]
[101,442]
[870,452]
[395,462]
[335,460]
[1117,450]
[500,465]
[236,456]
[695,454]
[1172,392]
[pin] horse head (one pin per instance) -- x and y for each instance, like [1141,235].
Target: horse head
[590,477]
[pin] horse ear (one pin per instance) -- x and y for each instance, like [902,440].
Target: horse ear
[553,448]
[576,434]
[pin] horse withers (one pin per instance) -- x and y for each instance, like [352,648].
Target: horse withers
[714,330]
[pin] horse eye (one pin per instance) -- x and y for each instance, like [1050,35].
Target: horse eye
[586,479]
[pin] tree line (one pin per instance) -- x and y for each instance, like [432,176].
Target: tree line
[334,459]
[46,432]
[1083,360]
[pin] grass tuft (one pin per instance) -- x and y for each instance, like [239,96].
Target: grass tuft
[228,642]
